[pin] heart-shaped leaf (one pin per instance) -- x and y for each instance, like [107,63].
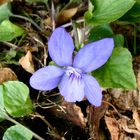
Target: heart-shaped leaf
[100,32]
[9,31]
[17,132]
[118,71]
[16,99]
[5,11]
[1,104]
[106,11]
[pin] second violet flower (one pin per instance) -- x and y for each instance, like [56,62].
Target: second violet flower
[72,78]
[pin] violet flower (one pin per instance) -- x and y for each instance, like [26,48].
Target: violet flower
[72,76]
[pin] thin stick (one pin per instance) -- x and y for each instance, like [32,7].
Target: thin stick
[17,123]
[119,114]
[55,134]
[10,44]
[28,19]
[70,23]
[53,15]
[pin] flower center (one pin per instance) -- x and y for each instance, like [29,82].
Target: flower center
[70,71]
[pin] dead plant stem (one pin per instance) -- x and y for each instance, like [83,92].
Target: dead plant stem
[28,19]
[70,23]
[55,134]
[17,123]
[10,44]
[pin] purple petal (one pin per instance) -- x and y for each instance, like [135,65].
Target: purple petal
[46,78]
[72,88]
[94,55]
[61,47]
[93,90]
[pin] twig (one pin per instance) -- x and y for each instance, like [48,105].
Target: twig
[45,55]
[39,61]
[17,123]
[123,124]
[10,44]
[38,41]
[55,134]
[59,106]
[53,15]
[70,23]
[76,37]
[45,50]
[119,114]
[28,19]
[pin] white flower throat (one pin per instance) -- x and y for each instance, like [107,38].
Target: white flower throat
[73,72]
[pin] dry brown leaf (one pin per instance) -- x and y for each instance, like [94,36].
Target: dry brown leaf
[4,1]
[94,116]
[138,79]
[70,112]
[136,117]
[27,47]
[6,74]
[63,17]
[74,114]
[48,21]
[125,137]
[123,99]
[66,15]
[124,125]
[113,127]
[27,62]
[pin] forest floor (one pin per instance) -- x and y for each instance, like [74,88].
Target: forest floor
[118,118]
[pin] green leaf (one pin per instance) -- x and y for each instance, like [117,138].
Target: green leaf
[16,99]
[9,31]
[10,54]
[52,63]
[132,15]
[118,71]
[72,3]
[5,11]
[138,1]
[2,114]
[32,1]
[119,40]
[1,97]
[1,104]
[17,132]
[106,11]
[100,32]
[135,11]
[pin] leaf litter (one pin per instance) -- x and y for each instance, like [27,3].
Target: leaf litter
[118,118]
